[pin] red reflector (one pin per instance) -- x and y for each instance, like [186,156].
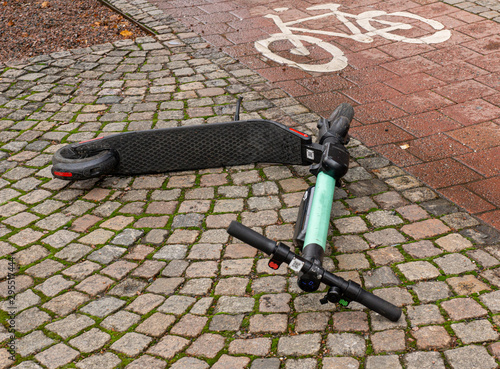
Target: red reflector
[63,174]
[273,265]
[98,138]
[300,133]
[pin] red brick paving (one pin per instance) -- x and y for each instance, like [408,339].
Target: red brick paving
[485,162]
[436,147]
[488,189]
[444,173]
[491,217]
[467,199]
[443,100]
[478,137]
[427,124]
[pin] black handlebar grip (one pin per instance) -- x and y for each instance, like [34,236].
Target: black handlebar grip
[378,305]
[338,125]
[251,237]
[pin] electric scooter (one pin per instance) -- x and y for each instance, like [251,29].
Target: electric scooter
[238,143]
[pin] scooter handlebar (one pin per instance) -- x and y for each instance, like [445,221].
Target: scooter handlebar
[354,292]
[350,289]
[379,305]
[251,237]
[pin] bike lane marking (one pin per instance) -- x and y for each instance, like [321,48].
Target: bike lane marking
[339,61]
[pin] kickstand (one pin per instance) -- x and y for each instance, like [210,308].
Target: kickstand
[237,113]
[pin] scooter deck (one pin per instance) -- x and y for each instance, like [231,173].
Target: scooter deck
[198,147]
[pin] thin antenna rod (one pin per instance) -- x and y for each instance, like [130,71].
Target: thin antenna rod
[237,113]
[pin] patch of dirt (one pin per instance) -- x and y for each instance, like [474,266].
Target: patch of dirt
[36,27]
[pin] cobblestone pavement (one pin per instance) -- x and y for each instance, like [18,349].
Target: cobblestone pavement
[139,272]
[432,109]
[489,9]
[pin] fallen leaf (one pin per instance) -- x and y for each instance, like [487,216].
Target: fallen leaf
[45,4]
[126,33]
[405,146]
[10,23]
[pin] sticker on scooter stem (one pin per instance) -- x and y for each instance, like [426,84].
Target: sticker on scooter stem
[364,21]
[296,265]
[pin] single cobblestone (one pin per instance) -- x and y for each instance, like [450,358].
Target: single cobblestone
[30,319]
[131,344]
[388,341]
[422,249]
[463,308]
[424,360]
[385,237]
[147,361]
[475,332]
[470,357]
[272,363]
[57,356]
[386,361]
[466,285]
[226,322]
[455,264]
[70,325]
[33,343]
[90,341]
[425,229]
[346,344]
[431,291]
[453,243]
[273,323]
[156,325]
[66,303]
[380,277]
[419,270]
[103,306]
[351,225]
[234,305]
[432,337]
[424,314]
[107,360]
[54,285]
[168,346]
[120,321]
[207,345]
[379,323]
[23,301]
[302,344]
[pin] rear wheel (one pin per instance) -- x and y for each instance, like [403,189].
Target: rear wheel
[338,62]
[68,165]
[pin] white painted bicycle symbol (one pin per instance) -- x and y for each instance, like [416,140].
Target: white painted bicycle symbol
[366,20]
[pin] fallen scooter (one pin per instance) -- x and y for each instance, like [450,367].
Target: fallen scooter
[184,148]
[239,143]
